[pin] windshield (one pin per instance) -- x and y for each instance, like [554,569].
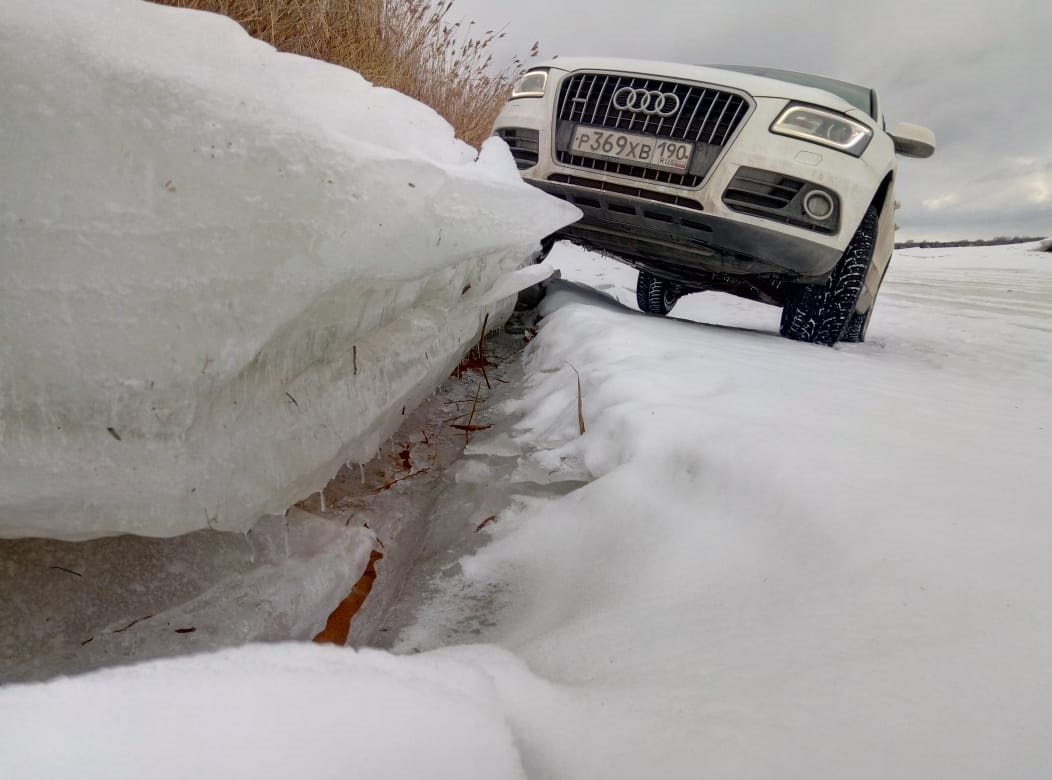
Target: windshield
[858,96]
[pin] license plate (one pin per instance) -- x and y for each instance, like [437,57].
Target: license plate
[632,148]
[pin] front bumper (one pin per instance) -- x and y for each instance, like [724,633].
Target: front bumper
[685,244]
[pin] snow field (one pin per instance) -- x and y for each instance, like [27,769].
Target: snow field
[788,560]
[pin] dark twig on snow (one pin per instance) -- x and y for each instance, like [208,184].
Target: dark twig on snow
[137,620]
[482,350]
[393,482]
[68,571]
[580,402]
[485,522]
[471,415]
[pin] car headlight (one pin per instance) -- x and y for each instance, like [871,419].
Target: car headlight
[824,127]
[532,84]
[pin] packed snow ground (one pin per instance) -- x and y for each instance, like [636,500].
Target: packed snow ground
[762,559]
[226,270]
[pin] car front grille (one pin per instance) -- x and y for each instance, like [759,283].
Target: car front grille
[706,117]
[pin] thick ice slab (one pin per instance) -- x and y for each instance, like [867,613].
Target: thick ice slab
[226,270]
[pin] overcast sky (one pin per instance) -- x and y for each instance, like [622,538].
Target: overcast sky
[977,72]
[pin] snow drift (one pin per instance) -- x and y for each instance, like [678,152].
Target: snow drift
[765,559]
[226,270]
[267,712]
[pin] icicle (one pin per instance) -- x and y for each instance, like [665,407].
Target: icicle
[321,499]
[361,467]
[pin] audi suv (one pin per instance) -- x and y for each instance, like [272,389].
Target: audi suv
[768,184]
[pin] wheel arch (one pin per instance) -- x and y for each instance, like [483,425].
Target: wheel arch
[884,202]
[880,199]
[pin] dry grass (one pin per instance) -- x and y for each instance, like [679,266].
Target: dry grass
[409,45]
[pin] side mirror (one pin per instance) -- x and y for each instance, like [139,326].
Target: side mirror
[913,140]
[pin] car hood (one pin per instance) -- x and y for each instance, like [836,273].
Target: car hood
[757,86]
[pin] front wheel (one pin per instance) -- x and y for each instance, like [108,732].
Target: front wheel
[653,295]
[855,332]
[822,314]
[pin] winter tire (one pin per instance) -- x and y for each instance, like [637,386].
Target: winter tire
[855,332]
[826,314]
[653,295]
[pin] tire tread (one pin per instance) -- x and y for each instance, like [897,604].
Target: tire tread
[823,314]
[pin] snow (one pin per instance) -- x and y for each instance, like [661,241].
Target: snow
[786,560]
[226,270]
[275,711]
[1045,245]
[761,559]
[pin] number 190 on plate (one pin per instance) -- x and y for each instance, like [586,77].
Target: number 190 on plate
[632,148]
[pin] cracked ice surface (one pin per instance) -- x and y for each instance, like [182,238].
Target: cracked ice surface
[226,270]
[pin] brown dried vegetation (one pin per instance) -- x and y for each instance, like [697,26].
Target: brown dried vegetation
[412,46]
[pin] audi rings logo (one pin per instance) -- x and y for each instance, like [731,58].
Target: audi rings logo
[646,101]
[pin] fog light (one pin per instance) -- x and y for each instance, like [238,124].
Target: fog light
[818,205]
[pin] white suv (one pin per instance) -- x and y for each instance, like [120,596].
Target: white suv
[768,184]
